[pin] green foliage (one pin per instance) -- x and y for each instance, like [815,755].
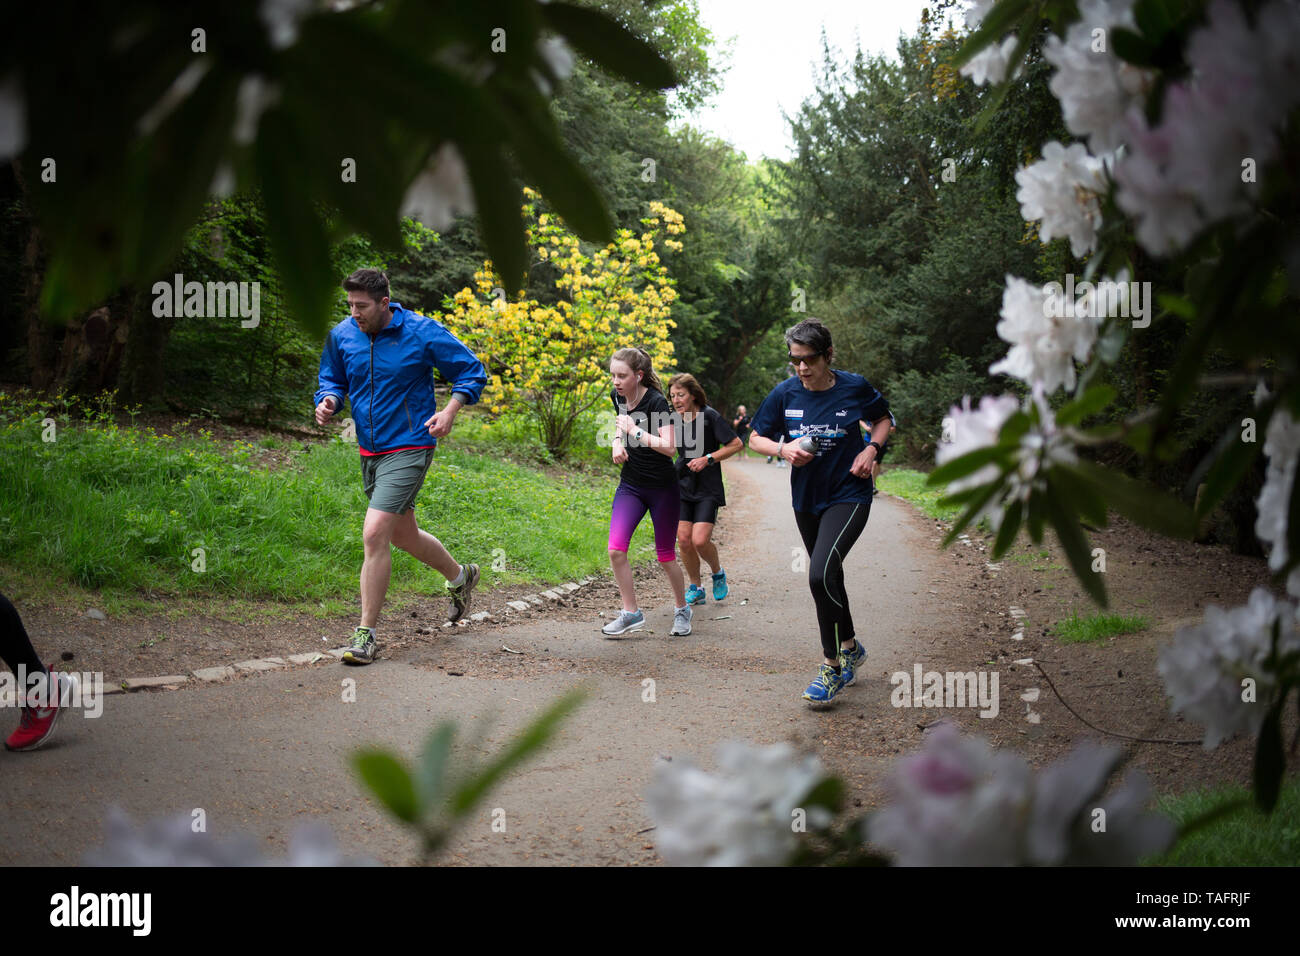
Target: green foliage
[444,79]
[122,509]
[1242,837]
[1094,628]
[436,795]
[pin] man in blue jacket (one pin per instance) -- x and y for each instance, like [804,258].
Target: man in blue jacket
[383,357]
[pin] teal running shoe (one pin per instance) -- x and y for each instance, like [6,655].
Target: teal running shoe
[720,589]
[695,595]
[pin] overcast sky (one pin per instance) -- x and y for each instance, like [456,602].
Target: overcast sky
[776,51]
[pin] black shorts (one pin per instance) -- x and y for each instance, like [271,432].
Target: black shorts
[697,511]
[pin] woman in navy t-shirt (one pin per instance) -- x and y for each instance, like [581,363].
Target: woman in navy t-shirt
[831,485]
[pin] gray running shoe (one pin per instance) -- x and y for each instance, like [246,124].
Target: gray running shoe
[626,621]
[681,622]
[363,647]
[460,596]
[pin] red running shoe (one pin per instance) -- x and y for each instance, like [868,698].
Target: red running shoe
[36,725]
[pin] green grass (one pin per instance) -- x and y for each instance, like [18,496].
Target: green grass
[1245,837]
[119,512]
[909,484]
[1098,627]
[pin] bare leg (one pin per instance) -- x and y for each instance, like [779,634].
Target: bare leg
[676,579]
[702,542]
[690,557]
[623,576]
[424,547]
[378,565]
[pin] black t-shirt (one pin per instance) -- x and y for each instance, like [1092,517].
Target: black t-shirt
[696,437]
[831,419]
[645,467]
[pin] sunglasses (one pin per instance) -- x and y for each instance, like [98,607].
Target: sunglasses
[797,360]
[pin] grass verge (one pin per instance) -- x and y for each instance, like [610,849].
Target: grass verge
[1098,627]
[1245,837]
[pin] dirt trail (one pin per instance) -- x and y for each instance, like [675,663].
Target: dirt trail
[260,754]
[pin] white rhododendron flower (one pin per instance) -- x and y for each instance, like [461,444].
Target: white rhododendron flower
[989,65]
[1204,668]
[740,816]
[1046,338]
[959,802]
[969,430]
[171,841]
[1062,190]
[1186,172]
[1095,88]
[1282,448]
[440,192]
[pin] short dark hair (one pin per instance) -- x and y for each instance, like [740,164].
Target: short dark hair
[809,332]
[373,282]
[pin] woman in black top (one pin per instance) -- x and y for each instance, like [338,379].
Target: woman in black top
[703,441]
[644,446]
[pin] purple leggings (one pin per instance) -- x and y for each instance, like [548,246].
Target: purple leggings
[630,505]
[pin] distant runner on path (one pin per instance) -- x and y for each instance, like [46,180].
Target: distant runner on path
[384,357]
[741,426]
[831,486]
[704,439]
[644,445]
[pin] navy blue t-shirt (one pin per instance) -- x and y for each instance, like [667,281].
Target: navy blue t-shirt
[831,417]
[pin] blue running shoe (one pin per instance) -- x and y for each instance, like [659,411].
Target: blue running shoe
[720,589]
[694,595]
[826,685]
[849,661]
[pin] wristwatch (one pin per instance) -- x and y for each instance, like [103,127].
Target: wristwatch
[878,448]
[639,433]
[710,457]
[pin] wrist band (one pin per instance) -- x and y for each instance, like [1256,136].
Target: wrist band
[779,446]
[877,446]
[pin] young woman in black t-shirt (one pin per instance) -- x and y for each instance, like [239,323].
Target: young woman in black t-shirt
[644,446]
[703,441]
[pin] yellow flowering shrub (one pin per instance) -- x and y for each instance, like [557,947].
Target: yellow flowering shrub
[554,358]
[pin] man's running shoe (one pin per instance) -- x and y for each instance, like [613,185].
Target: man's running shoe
[849,661]
[362,649]
[720,589]
[460,596]
[626,621]
[695,594]
[681,622]
[36,724]
[825,686]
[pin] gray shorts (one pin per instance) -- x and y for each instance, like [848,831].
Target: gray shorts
[392,481]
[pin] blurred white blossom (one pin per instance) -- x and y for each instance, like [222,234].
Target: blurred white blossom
[989,65]
[13,118]
[1046,337]
[742,815]
[171,841]
[1282,448]
[441,191]
[282,19]
[959,802]
[1095,88]
[1186,172]
[971,430]
[1062,190]
[1204,668]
